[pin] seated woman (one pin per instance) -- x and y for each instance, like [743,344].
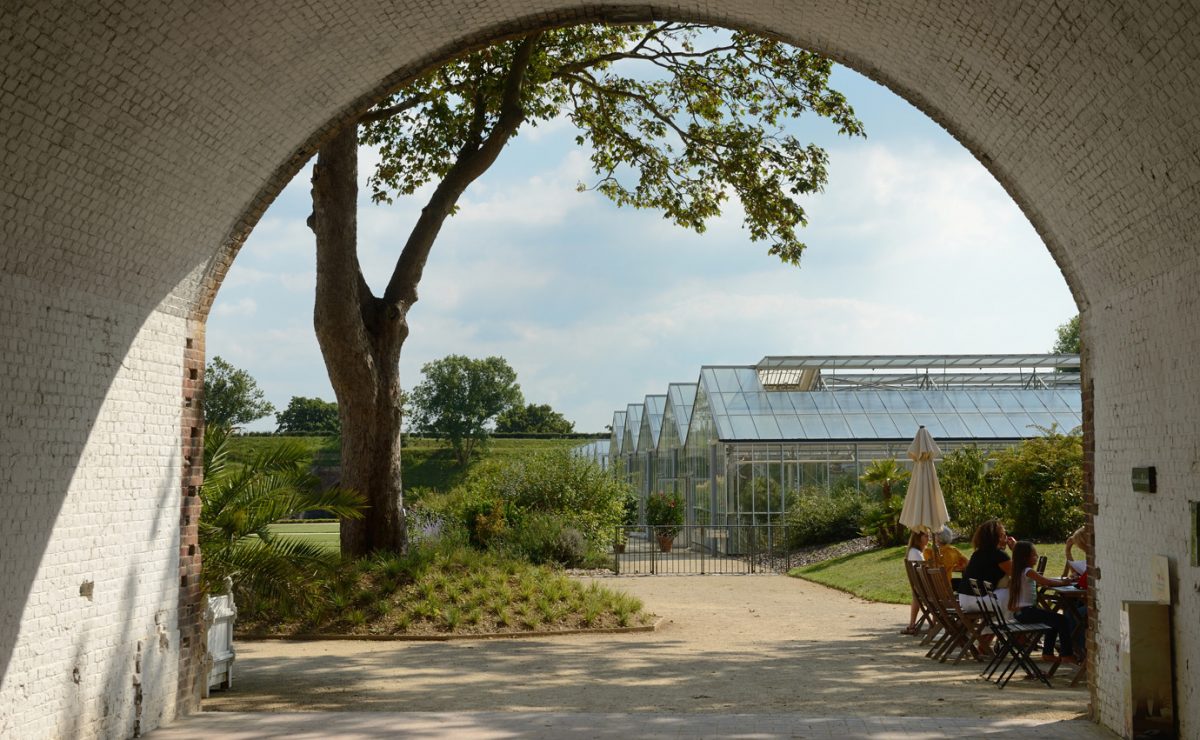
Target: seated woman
[1021,592]
[946,556]
[988,564]
[916,548]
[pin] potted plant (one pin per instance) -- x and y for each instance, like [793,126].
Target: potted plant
[664,511]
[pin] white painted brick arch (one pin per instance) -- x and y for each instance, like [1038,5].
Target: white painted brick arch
[141,141]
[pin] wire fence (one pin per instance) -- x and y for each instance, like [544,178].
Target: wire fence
[698,549]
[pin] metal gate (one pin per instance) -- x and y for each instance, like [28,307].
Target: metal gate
[701,549]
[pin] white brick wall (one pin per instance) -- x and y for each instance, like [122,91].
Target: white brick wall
[90,484]
[141,141]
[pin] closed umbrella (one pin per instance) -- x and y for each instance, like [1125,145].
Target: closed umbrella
[924,505]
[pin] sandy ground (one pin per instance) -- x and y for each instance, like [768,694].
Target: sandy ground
[741,644]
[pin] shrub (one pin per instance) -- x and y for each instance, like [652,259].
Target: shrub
[815,517]
[543,538]
[1041,481]
[546,507]
[881,521]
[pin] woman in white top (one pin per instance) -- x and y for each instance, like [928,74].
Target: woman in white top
[916,551]
[1022,590]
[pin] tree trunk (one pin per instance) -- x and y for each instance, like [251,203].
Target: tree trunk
[360,338]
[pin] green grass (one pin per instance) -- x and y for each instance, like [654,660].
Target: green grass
[878,575]
[447,589]
[323,533]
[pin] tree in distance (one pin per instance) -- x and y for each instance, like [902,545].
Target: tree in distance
[231,396]
[676,117]
[1068,337]
[308,416]
[533,419]
[459,397]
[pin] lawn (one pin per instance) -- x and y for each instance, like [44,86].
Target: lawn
[427,464]
[319,532]
[878,575]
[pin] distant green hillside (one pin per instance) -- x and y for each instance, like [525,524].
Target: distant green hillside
[427,463]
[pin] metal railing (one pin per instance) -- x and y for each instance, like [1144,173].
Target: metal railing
[701,549]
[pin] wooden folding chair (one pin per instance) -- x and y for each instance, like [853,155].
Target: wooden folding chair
[918,588]
[967,627]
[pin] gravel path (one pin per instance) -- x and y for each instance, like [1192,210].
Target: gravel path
[745,644]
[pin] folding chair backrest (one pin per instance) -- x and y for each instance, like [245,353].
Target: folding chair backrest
[1041,565]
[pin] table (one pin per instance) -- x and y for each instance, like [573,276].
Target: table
[1071,597]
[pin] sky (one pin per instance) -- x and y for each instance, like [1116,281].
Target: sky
[913,248]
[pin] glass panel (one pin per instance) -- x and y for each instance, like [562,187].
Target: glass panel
[780,403]
[735,403]
[727,381]
[940,401]
[894,401]
[1031,401]
[1067,421]
[905,422]
[743,427]
[724,427]
[932,422]
[803,402]
[860,426]
[767,428]
[757,402]
[835,425]
[1044,421]
[1022,422]
[953,426]
[984,402]
[1007,400]
[716,404]
[870,401]
[823,401]
[1003,427]
[1061,401]
[791,428]
[885,428]
[977,426]
[918,402]
[847,402]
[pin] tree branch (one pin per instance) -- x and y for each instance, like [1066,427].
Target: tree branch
[471,163]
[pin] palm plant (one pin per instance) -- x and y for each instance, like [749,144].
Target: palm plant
[884,473]
[240,502]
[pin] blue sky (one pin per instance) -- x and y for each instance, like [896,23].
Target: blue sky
[913,248]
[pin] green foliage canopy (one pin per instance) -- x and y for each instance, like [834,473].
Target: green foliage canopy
[460,396]
[232,396]
[1068,337]
[533,419]
[677,117]
[309,416]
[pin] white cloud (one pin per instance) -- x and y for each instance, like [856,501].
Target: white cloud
[240,307]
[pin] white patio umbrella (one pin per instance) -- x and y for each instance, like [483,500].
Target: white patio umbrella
[924,504]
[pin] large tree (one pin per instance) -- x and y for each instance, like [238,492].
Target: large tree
[677,117]
[308,416]
[460,396]
[231,396]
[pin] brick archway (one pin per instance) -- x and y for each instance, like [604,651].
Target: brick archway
[142,145]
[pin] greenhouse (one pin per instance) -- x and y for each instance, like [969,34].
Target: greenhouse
[751,436]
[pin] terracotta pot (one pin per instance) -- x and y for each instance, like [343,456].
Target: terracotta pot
[665,541]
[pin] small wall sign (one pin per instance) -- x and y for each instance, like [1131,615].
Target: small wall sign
[1144,480]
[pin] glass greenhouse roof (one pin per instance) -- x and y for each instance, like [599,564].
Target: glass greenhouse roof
[633,428]
[743,410]
[820,372]
[652,421]
[618,433]
[681,397]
